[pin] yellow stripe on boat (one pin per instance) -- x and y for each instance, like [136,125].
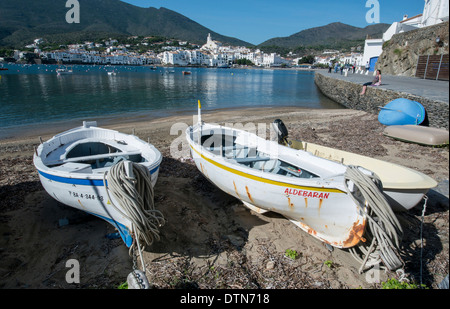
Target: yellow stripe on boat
[265,180]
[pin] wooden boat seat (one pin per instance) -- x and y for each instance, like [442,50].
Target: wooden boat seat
[251,160]
[94,157]
[74,168]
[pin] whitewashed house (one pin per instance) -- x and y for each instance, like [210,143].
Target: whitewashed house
[272,60]
[174,58]
[434,12]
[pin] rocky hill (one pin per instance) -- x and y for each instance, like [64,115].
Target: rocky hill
[400,54]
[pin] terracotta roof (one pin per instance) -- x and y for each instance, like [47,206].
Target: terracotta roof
[411,18]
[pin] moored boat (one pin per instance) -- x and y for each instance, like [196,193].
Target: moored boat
[64,71]
[75,167]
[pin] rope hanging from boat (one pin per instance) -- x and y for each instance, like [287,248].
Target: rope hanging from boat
[136,198]
[385,232]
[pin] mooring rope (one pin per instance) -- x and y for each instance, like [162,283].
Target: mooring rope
[136,198]
[385,232]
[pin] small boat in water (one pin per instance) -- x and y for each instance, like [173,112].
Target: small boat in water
[403,187]
[64,71]
[402,112]
[186,73]
[72,167]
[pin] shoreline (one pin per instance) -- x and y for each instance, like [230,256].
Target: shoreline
[53,67]
[24,131]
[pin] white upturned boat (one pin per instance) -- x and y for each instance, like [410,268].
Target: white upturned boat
[403,187]
[72,166]
[310,191]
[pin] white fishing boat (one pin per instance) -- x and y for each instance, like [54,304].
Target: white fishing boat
[64,71]
[310,191]
[404,187]
[75,168]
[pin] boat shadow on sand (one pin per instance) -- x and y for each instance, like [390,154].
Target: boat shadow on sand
[202,220]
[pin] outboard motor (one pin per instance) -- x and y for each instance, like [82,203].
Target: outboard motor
[281,131]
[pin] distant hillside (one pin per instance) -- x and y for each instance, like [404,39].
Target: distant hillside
[22,21]
[334,35]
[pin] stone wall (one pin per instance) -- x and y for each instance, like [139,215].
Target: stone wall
[401,52]
[348,94]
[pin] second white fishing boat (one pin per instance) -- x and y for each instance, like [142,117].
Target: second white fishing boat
[312,192]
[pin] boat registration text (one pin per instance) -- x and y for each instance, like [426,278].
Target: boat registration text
[304,193]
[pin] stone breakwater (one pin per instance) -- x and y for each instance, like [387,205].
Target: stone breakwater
[348,94]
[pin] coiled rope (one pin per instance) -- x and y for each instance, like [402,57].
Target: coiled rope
[385,232]
[136,198]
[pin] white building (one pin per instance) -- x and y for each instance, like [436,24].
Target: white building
[172,57]
[211,44]
[407,24]
[372,50]
[272,60]
[434,12]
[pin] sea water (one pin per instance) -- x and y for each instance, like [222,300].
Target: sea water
[33,95]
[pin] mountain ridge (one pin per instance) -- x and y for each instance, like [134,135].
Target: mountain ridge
[21,21]
[330,34]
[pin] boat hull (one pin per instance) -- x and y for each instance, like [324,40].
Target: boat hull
[402,112]
[67,179]
[323,209]
[403,187]
[89,194]
[421,135]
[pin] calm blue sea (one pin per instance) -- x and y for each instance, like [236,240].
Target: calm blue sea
[33,95]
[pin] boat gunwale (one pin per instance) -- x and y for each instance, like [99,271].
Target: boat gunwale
[425,182]
[45,167]
[261,176]
[355,233]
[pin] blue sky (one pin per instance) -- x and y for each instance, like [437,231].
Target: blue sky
[256,21]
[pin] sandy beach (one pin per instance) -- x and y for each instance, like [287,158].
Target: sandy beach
[210,240]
